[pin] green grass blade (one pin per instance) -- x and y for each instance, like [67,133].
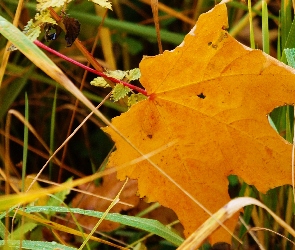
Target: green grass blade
[130,28]
[265,30]
[2,230]
[9,94]
[246,191]
[279,45]
[25,148]
[290,42]
[286,20]
[52,129]
[272,124]
[252,39]
[148,32]
[255,10]
[21,230]
[290,55]
[152,226]
[29,244]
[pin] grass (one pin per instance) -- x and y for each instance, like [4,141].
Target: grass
[39,112]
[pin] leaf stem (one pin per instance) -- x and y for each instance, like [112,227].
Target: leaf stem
[43,46]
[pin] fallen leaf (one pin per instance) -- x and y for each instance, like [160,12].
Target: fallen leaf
[162,214]
[103,3]
[72,26]
[212,96]
[109,189]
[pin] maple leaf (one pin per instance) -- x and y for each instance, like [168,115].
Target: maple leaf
[212,96]
[44,4]
[103,3]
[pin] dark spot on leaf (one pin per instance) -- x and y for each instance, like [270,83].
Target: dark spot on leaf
[150,136]
[209,44]
[224,27]
[202,96]
[72,26]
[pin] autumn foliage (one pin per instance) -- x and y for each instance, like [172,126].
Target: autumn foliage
[208,104]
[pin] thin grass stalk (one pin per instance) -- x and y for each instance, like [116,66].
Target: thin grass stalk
[114,202]
[69,137]
[10,92]
[26,140]
[265,29]
[279,41]
[63,228]
[257,218]
[252,39]
[38,137]
[7,172]
[6,53]
[122,26]
[148,209]
[289,136]
[78,43]
[288,215]
[173,13]
[25,155]
[58,237]
[126,60]
[198,9]
[254,237]
[83,234]
[286,20]
[52,132]
[245,191]
[80,228]
[284,40]
[155,10]
[287,39]
[245,20]
[265,223]
[133,244]
[279,208]
[104,35]
[77,101]
[293,161]
[262,236]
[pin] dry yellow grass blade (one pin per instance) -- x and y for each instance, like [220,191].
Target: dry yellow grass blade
[172,12]
[154,5]
[106,40]
[202,233]
[6,52]
[8,201]
[63,228]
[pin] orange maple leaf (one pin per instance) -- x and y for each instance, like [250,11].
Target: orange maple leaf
[212,96]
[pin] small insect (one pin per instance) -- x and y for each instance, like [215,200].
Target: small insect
[48,31]
[72,27]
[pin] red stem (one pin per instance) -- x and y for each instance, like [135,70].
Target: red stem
[43,46]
